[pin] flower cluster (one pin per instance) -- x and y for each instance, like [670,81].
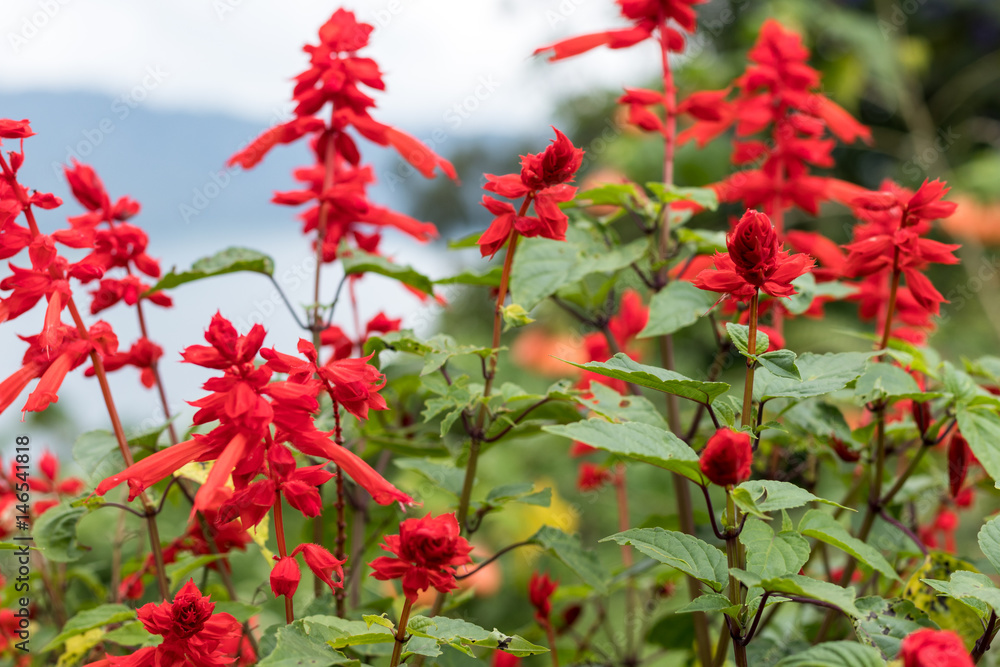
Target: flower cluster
[543,181]
[755,262]
[335,185]
[891,242]
[256,416]
[427,551]
[193,634]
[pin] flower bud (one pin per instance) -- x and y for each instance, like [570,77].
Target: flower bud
[727,457]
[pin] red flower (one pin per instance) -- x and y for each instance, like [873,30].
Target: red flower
[648,16]
[540,590]
[285,576]
[727,457]
[959,458]
[592,477]
[755,262]
[934,648]
[322,563]
[503,659]
[543,181]
[427,552]
[191,632]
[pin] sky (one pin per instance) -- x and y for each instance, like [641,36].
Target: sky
[462,65]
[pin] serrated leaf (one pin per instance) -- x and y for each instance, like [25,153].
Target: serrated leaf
[55,532]
[609,194]
[825,528]
[358,261]
[801,586]
[807,290]
[683,552]
[678,305]
[541,267]
[981,428]
[740,335]
[773,495]
[773,555]
[304,642]
[641,442]
[884,381]
[946,612]
[989,541]
[608,403]
[709,602]
[97,617]
[964,585]
[781,363]
[621,367]
[569,550]
[226,261]
[835,654]
[821,374]
[884,623]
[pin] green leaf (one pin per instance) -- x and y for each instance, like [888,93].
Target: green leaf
[835,654]
[981,429]
[621,367]
[678,305]
[55,532]
[436,350]
[179,571]
[989,541]
[490,278]
[825,528]
[97,617]
[541,267]
[703,197]
[773,555]
[801,586]
[569,550]
[304,642]
[358,261]
[709,602]
[683,552]
[636,441]
[807,290]
[608,403]
[773,495]
[443,474]
[884,623]
[781,363]
[608,194]
[521,493]
[962,618]
[884,381]
[821,374]
[964,585]
[226,261]
[98,455]
[132,635]
[740,335]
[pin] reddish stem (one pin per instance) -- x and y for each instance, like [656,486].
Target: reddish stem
[102,378]
[279,530]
